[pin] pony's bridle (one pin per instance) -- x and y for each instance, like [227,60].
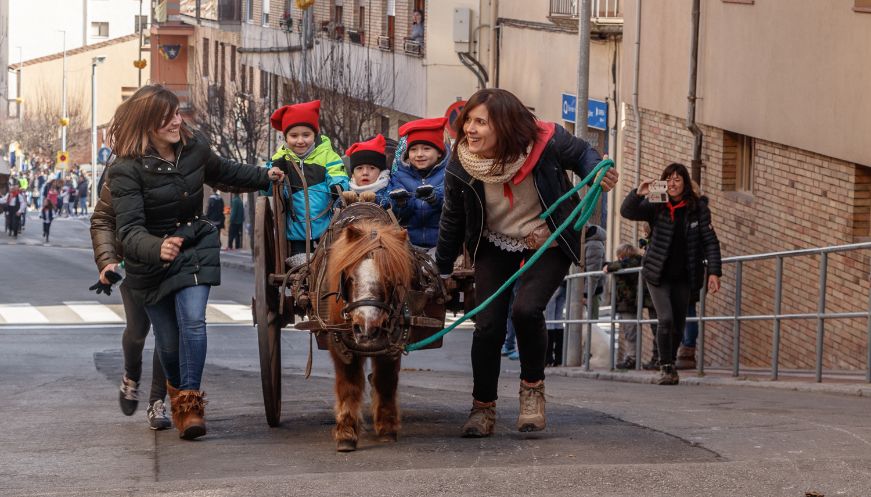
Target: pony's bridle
[390,306]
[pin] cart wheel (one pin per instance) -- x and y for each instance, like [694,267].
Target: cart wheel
[266,303]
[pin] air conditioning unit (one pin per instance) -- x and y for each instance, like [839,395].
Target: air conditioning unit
[412,47]
[357,37]
[385,43]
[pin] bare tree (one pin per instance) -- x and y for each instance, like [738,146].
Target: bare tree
[39,130]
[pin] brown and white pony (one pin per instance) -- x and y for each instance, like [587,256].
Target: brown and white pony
[371,265]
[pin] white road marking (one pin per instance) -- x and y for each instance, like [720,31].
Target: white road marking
[94,312]
[236,312]
[21,314]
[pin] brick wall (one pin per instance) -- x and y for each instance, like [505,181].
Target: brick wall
[800,200]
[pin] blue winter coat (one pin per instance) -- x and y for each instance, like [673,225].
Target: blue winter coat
[324,173]
[420,218]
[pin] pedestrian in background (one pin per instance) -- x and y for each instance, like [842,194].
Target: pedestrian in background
[555,311]
[171,254]
[47,216]
[682,240]
[628,256]
[237,219]
[16,207]
[215,211]
[83,195]
[594,260]
[506,169]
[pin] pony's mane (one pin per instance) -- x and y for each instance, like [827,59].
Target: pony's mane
[394,259]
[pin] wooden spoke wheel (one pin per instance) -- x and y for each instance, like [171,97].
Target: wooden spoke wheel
[266,301]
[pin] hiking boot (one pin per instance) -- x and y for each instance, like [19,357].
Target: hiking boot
[156,414]
[686,358]
[128,398]
[667,375]
[482,420]
[628,362]
[531,407]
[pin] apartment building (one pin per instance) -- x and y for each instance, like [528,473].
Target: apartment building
[785,115]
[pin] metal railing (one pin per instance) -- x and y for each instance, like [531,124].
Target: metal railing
[737,317]
[601,9]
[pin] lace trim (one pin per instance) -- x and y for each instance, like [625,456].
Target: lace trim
[505,242]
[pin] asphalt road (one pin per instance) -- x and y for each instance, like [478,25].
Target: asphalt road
[63,434]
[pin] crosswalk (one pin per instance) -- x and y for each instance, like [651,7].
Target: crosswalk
[96,313]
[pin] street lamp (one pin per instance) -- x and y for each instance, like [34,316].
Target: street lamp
[94,63]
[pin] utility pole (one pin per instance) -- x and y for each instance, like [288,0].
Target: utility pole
[141,34]
[94,63]
[20,99]
[573,332]
[63,128]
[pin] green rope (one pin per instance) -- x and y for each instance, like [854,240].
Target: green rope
[580,215]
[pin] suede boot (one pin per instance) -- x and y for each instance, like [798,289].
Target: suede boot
[191,411]
[686,358]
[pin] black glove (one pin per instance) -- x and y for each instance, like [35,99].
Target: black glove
[426,193]
[100,287]
[400,196]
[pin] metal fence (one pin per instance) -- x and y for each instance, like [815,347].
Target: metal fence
[737,317]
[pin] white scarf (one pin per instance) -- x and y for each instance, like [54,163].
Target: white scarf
[381,182]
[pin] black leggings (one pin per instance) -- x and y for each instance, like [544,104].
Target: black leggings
[534,289]
[132,343]
[671,299]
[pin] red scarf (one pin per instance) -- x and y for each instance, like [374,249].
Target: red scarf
[674,207]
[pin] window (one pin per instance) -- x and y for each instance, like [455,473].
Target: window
[264,84]
[338,12]
[217,66]
[249,10]
[862,206]
[205,57]
[385,125]
[222,74]
[361,18]
[233,64]
[250,80]
[100,29]
[264,18]
[244,73]
[140,23]
[862,6]
[737,162]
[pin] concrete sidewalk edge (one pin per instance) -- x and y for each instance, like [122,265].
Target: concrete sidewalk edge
[691,378]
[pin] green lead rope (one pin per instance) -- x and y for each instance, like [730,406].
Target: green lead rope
[580,215]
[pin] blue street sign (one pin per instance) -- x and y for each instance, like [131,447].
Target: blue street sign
[103,155]
[597,111]
[569,106]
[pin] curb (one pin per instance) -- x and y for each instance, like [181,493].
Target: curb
[853,389]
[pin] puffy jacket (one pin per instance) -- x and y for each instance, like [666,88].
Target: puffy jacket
[154,198]
[324,173]
[215,211]
[594,256]
[627,285]
[419,217]
[463,214]
[237,210]
[703,247]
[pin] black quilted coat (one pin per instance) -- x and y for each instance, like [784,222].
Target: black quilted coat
[154,198]
[703,247]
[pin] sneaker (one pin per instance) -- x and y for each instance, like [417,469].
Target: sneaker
[514,355]
[156,414]
[531,408]
[482,420]
[628,362]
[667,375]
[129,396]
[506,351]
[651,365]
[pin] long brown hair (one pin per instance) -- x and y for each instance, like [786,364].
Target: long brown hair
[689,193]
[147,110]
[513,124]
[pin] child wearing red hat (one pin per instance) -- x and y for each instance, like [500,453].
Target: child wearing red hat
[323,169]
[417,186]
[368,168]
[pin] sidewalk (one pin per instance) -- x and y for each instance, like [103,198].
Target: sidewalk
[836,383]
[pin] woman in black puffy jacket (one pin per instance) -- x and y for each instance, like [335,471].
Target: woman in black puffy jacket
[171,253]
[682,242]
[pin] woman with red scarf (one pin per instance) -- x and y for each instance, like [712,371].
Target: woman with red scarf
[682,243]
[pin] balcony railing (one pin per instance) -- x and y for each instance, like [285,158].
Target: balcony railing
[601,9]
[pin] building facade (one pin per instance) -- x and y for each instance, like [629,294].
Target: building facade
[783,107]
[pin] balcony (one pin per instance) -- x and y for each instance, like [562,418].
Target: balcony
[385,43]
[607,15]
[227,13]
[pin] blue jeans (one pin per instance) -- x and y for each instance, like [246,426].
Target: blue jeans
[691,332]
[179,322]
